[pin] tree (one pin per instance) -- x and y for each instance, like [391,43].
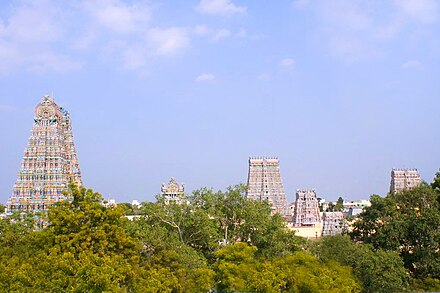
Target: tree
[436,183]
[339,205]
[303,272]
[379,271]
[406,222]
[239,269]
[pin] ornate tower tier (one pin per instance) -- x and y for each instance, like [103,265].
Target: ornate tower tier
[49,163]
[264,183]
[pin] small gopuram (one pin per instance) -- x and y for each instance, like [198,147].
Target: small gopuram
[173,192]
[264,183]
[49,162]
[306,212]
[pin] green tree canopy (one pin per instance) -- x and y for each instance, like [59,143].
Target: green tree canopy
[407,222]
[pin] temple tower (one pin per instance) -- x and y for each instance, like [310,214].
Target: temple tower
[306,211]
[404,179]
[49,163]
[173,192]
[264,183]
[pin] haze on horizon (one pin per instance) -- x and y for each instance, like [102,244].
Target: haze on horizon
[339,91]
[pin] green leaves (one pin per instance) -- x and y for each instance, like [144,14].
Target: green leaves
[407,222]
[378,270]
[219,240]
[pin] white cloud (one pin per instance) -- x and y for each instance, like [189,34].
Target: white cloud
[287,63]
[220,34]
[118,17]
[215,35]
[424,11]
[169,41]
[35,23]
[202,30]
[412,64]
[205,77]
[219,7]
[33,31]
[354,30]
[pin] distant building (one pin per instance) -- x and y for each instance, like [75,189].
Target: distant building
[333,223]
[49,162]
[306,212]
[135,203]
[353,212]
[110,203]
[173,192]
[404,179]
[264,183]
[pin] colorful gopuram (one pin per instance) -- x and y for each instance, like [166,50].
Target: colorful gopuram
[49,163]
[264,183]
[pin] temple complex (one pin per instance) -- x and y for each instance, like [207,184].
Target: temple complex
[264,183]
[173,192]
[49,163]
[404,179]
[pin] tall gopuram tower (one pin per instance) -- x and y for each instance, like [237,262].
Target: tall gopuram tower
[306,211]
[49,163]
[264,183]
[404,179]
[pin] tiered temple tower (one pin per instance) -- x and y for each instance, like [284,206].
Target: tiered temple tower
[264,183]
[173,192]
[306,211]
[49,163]
[404,179]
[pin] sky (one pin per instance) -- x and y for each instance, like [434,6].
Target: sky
[340,91]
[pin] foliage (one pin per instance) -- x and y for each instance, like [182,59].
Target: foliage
[240,270]
[379,271]
[339,205]
[407,222]
[217,240]
[211,219]
[129,209]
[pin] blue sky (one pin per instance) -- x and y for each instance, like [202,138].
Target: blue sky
[340,91]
